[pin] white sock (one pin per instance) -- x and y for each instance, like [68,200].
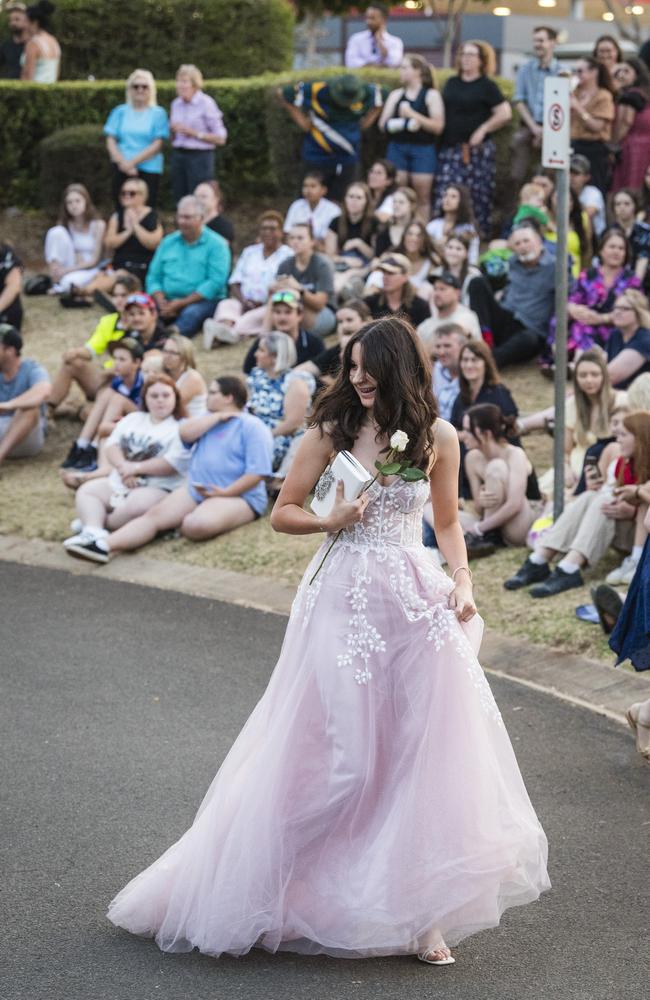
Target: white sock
[83,442]
[102,544]
[537,560]
[636,553]
[568,567]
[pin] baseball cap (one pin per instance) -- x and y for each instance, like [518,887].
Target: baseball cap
[447,278]
[394,263]
[286,297]
[10,337]
[580,164]
[143,300]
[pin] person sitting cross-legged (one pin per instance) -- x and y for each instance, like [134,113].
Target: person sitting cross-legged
[225,489]
[24,389]
[586,528]
[189,270]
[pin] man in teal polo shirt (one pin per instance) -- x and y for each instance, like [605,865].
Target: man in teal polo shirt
[189,271]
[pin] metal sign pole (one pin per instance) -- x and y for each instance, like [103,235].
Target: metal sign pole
[561,296]
[556,154]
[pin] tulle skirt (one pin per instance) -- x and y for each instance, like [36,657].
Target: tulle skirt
[372,803]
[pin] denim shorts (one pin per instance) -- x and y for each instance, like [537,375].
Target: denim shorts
[412,158]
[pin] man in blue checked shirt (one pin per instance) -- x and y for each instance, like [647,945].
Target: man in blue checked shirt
[529,101]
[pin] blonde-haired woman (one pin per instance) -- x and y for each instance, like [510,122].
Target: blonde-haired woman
[180,363]
[135,132]
[280,396]
[474,109]
[73,248]
[413,116]
[197,125]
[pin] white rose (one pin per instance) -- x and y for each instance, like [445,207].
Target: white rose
[399,441]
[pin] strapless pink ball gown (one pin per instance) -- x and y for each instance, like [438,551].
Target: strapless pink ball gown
[372,802]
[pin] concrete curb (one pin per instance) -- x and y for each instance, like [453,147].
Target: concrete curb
[575,679]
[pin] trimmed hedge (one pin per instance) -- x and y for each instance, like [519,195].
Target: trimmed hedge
[261,156]
[222,37]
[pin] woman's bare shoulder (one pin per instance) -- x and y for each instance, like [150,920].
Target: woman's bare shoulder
[444,433]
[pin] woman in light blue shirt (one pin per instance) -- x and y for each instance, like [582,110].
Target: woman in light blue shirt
[135,132]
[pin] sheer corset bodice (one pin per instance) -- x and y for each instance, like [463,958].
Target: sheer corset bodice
[392,517]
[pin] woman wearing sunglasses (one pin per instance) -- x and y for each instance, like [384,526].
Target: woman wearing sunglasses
[134,133]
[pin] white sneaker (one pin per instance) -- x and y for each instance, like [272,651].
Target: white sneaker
[209,334]
[84,536]
[623,574]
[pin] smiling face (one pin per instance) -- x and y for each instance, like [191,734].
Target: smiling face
[606,53]
[543,46]
[414,240]
[623,75]
[139,89]
[613,252]
[624,314]
[470,61]
[172,358]
[455,253]
[589,377]
[125,364]
[161,401]
[270,233]
[472,367]
[140,320]
[446,349]
[285,318]
[363,383]
[300,241]
[401,206]
[587,75]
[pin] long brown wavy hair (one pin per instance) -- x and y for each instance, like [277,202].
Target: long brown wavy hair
[639,424]
[394,357]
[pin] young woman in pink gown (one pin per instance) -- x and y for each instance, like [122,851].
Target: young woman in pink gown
[372,804]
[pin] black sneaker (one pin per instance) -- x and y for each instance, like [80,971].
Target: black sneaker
[556,583]
[88,550]
[72,457]
[608,604]
[529,573]
[86,459]
[102,299]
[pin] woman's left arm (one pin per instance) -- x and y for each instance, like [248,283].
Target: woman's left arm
[444,500]
[146,154]
[296,403]
[501,115]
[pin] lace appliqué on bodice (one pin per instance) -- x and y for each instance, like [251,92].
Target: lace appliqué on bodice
[389,541]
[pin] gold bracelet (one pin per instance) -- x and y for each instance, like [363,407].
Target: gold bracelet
[458,569]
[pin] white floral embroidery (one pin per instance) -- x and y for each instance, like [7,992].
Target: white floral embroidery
[392,525]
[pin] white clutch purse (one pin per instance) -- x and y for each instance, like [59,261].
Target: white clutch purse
[355,479]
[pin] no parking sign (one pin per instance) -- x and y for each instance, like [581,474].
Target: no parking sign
[557,123]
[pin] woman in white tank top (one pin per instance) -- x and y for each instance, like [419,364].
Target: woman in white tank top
[73,248]
[178,361]
[41,60]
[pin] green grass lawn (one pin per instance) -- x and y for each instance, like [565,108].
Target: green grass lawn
[35,503]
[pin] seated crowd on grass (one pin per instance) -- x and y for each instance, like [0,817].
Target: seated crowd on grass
[162,451]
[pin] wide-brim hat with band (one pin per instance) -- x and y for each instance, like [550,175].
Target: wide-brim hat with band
[346,90]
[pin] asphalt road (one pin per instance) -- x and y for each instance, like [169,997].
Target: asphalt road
[117,704]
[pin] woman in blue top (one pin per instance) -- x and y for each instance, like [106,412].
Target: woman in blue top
[413,116]
[134,133]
